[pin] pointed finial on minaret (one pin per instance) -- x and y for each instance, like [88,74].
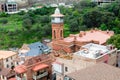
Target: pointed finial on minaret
[57,13]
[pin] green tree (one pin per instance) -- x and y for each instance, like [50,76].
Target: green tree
[74,25]
[114,40]
[92,19]
[103,27]
[27,24]
[45,19]
[3,14]
[108,19]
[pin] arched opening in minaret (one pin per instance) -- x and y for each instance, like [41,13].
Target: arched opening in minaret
[54,34]
[61,33]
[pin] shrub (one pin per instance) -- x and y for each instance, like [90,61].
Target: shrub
[3,14]
[4,21]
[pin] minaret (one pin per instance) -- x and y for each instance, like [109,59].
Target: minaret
[57,25]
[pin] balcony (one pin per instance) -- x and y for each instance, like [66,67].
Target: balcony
[40,75]
[19,78]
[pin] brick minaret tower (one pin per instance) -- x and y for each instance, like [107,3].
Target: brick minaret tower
[57,25]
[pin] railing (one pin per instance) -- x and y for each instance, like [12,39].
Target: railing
[40,75]
[18,78]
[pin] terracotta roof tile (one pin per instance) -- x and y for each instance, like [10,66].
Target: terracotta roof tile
[20,69]
[40,66]
[100,71]
[6,54]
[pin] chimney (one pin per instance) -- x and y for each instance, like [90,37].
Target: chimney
[91,30]
[75,38]
[107,31]
[82,33]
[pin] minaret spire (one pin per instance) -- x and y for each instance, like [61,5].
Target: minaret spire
[57,25]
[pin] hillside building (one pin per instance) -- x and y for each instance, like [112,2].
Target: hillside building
[6,58]
[100,71]
[7,64]
[28,51]
[74,42]
[11,7]
[89,54]
[37,68]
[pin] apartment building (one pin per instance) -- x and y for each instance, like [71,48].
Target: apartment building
[100,71]
[89,54]
[7,57]
[35,68]
[11,7]
[7,64]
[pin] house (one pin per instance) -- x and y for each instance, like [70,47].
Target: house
[20,3]
[89,54]
[11,7]
[7,64]
[100,71]
[31,50]
[6,74]
[73,43]
[37,68]
[6,59]
[34,49]
[102,2]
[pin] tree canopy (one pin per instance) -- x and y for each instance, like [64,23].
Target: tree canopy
[31,26]
[114,40]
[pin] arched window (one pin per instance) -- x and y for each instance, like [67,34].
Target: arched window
[61,33]
[54,34]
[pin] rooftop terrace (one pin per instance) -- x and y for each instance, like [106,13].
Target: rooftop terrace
[93,51]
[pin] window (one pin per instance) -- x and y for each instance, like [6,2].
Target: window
[19,75]
[7,66]
[61,33]
[3,77]
[66,69]
[11,58]
[7,60]
[11,63]
[17,63]
[38,72]
[54,34]
[67,78]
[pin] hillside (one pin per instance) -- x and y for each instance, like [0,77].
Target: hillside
[33,26]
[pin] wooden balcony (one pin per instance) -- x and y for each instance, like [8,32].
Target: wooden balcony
[35,77]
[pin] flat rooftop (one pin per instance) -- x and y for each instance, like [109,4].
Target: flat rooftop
[92,35]
[93,51]
[6,54]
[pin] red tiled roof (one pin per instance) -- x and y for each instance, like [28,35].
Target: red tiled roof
[20,69]
[12,79]
[40,66]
